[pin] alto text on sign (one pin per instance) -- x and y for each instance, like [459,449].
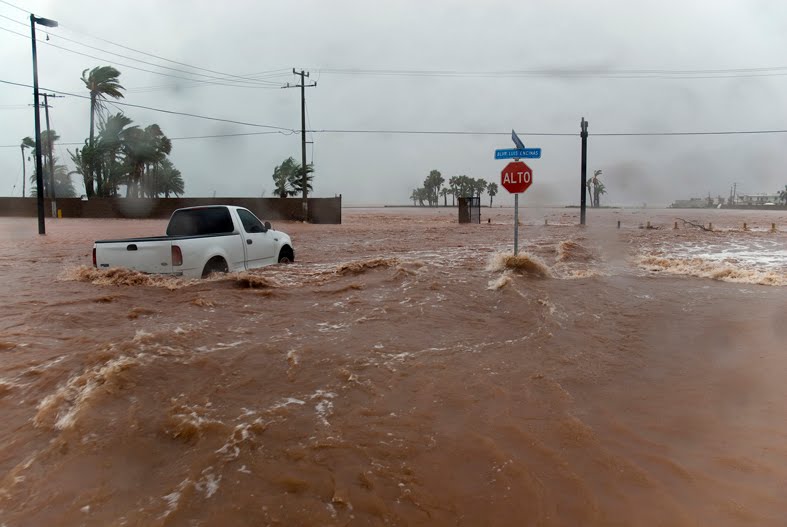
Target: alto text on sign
[516,177]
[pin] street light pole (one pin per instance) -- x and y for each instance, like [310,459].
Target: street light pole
[39,168]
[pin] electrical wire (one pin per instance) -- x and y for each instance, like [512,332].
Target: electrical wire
[135,67]
[774,71]
[224,76]
[161,110]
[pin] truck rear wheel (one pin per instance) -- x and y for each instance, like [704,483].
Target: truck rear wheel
[217,264]
[286,255]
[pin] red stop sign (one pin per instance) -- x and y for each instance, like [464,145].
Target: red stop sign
[516,177]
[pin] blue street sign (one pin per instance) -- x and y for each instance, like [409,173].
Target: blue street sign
[518,153]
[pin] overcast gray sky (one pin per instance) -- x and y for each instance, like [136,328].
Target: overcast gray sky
[242,38]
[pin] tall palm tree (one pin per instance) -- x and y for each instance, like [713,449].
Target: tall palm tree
[109,172]
[143,147]
[444,192]
[492,191]
[453,184]
[479,186]
[101,82]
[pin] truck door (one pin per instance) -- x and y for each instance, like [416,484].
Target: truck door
[259,244]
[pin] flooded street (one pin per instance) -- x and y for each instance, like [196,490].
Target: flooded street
[404,371]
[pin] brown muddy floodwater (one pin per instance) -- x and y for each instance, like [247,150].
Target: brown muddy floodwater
[405,371]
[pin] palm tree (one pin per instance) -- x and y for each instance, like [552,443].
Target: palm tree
[64,187]
[444,192]
[432,185]
[414,196]
[165,179]
[598,191]
[281,178]
[48,139]
[594,181]
[492,191]
[143,147]
[479,186]
[296,181]
[783,195]
[109,171]
[101,82]
[453,184]
[27,142]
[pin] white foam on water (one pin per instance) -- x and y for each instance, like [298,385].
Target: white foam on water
[323,408]
[209,483]
[286,402]
[173,498]
[219,346]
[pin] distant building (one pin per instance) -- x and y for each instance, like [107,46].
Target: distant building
[756,199]
[691,203]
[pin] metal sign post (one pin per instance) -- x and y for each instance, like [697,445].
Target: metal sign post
[516,224]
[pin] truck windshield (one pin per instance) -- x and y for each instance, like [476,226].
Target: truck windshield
[197,222]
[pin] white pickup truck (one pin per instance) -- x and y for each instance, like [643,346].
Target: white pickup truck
[200,241]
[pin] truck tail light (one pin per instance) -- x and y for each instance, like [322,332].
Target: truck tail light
[94,257]
[177,256]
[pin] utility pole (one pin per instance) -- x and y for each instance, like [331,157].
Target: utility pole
[303,75]
[584,168]
[24,170]
[50,146]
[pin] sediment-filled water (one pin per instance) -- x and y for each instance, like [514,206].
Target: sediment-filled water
[406,370]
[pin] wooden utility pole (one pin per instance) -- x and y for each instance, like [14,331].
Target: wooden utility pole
[24,170]
[584,169]
[304,182]
[50,155]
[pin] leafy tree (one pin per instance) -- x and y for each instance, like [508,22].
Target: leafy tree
[422,195]
[281,178]
[52,171]
[288,178]
[454,186]
[597,189]
[143,148]
[479,186]
[783,195]
[444,192]
[164,178]
[492,191]
[414,197]
[433,183]
[64,187]
[297,180]
[101,82]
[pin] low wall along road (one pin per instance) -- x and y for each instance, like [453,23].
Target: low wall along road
[321,210]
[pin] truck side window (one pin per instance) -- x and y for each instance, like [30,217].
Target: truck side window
[250,222]
[200,222]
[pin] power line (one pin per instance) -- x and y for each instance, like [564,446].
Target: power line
[572,73]
[241,77]
[183,138]
[467,133]
[25,11]
[224,76]
[161,110]
[130,66]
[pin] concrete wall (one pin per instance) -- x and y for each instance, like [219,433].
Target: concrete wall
[321,210]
